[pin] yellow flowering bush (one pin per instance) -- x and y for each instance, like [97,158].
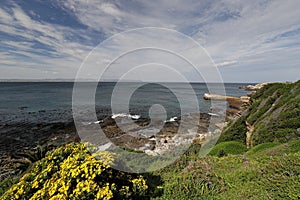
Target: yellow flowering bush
[72,172]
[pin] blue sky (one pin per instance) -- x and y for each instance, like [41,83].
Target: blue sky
[249,41]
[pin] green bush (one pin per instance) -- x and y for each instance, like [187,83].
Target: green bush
[7,183]
[235,132]
[72,172]
[226,148]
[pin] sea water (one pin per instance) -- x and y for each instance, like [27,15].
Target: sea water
[22,102]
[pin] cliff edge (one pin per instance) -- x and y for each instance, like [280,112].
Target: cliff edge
[273,115]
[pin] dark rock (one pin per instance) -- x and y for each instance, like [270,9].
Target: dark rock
[23,107]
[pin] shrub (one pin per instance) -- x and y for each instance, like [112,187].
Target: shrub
[72,172]
[7,183]
[226,148]
[235,132]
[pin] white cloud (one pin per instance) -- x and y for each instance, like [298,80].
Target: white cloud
[227,63]
[4,16]
[241,35]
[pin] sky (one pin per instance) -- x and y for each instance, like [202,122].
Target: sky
[247,41]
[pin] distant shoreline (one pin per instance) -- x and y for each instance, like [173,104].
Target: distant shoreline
[106,81]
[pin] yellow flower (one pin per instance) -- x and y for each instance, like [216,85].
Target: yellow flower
[35,184]
[72,166]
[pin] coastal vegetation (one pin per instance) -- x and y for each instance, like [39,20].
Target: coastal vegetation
[72,171]
[257,157]
[225,148]
[268,174]
[273,114]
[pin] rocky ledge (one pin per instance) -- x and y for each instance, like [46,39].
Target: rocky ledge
[142,135]
[236,104]
[153,141]
[255,87]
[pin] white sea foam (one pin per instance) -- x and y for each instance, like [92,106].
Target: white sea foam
[89,123]
[125,115]
[173,119]
[213,114]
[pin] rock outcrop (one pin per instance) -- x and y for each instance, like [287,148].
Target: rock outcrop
[250,129]
[161,140]
[255,87]
[235,104]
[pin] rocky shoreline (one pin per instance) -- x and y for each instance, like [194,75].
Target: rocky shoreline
[18,138]
[164,140]
[255,87]
[15,146]
[18,144]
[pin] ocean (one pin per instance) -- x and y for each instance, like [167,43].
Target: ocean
[28,102]
[33,113]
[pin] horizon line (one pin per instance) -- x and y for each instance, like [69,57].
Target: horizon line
[114,81]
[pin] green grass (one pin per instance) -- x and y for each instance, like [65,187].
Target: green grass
[261,147]
[264,176]
[267,171]
[225,148]
[294,146]
[286,148]
[274,112]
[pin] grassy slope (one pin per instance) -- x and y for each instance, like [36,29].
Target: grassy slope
[274,112]
[270,170]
